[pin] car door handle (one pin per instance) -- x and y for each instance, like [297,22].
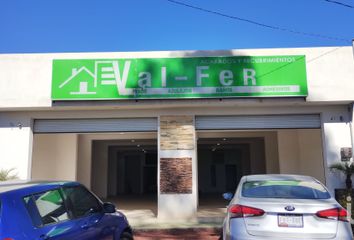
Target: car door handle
[89,224]
[85,226]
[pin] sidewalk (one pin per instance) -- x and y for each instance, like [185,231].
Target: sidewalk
[172,234]
[206,226]
[145,219]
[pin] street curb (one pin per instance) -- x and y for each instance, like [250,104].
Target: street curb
[171,230]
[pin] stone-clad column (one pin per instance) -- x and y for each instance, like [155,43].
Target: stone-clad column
[177,177]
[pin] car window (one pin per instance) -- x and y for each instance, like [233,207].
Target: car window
[81,202]
[46,208]
[284,189]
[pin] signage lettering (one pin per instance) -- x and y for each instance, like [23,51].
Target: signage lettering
[198,77]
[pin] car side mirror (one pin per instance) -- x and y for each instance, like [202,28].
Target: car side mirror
[109,207]
[228,196]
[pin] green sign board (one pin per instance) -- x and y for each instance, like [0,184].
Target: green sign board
[193,77]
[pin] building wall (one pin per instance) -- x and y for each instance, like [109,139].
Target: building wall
[16,142]
[336,134]
[55,157]
[25,95]
[25,79]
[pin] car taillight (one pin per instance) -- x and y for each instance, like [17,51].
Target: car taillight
[8,239]
[239,211]
[334,213]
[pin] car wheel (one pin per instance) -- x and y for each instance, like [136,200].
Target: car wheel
[126,236]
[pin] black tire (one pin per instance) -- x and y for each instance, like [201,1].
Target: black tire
[126,236]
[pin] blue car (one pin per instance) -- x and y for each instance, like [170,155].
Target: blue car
[58,210]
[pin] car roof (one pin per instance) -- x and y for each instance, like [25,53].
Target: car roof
[18,184]
[279,177]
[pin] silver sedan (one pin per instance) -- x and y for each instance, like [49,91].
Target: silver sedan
[284,207]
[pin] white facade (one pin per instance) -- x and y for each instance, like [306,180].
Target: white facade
[25,95]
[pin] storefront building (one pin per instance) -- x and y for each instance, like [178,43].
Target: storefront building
[181,125]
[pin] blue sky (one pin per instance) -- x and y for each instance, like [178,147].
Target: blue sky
[152,25]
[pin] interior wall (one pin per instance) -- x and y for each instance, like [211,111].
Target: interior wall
[84,160]
[121,174]
[296,151]
[113,174]
[234,156]
[271,152]
[84,170]
[300,152]
[269,147]
[54,157]
[248,156]
[288,150]
[311,156]
[257,157]
[99,175]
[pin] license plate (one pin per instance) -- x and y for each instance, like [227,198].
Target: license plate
[290,220]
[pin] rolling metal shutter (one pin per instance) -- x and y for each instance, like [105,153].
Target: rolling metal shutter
[258,122]
[95,125]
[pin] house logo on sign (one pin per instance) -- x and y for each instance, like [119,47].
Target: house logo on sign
[104,73]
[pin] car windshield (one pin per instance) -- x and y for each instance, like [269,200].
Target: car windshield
[284,189]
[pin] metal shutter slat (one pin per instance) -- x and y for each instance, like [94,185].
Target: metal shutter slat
[94,125]
[258,122]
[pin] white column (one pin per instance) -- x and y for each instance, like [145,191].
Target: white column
[335,135]
[178,143]
[16,139]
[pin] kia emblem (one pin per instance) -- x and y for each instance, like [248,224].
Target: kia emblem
[289,208]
